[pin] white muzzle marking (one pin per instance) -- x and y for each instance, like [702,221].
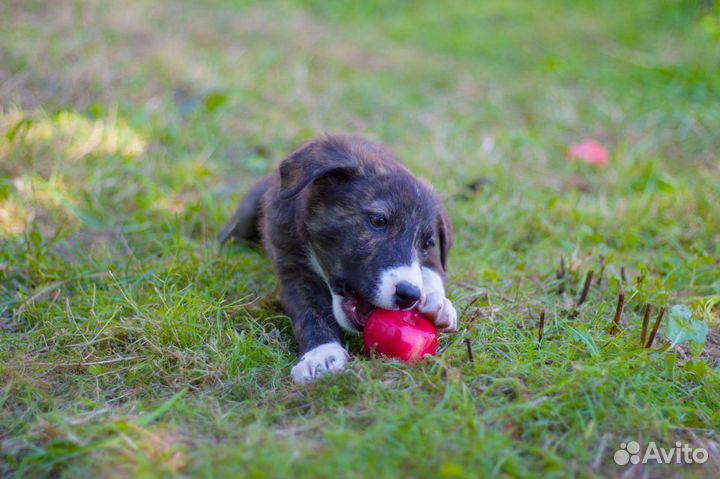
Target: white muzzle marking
[385,296]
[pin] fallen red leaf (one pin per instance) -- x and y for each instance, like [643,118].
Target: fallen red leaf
[590,152]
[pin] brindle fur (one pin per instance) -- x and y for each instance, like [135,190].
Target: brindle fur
[319,200]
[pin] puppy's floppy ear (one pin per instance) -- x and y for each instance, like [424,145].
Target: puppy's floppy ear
[311,161]
[445,235]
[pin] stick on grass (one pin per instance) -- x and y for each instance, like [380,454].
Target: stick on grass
[541,325]
[655,328]
[618,313]
[560,275]
[468,344]
[586,287]
[646,320]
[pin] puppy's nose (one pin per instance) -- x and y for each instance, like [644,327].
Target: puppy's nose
[406,295]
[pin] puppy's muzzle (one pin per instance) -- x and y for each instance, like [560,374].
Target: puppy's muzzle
[407,295]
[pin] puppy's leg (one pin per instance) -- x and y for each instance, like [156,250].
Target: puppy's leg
[436,306]
[307,301]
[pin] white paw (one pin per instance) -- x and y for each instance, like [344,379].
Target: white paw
[324,359]
[438,309]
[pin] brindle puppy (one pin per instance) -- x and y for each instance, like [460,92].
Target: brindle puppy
[349,229]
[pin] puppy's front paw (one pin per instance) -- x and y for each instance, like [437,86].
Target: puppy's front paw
[322,360]
[438,309]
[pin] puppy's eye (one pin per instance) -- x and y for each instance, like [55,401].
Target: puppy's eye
[377,221]
[429,244]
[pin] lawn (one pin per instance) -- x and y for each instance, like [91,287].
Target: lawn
[131,345]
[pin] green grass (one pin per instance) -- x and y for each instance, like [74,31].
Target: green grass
[131,346]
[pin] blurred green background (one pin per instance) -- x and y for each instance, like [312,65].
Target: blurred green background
[131,346]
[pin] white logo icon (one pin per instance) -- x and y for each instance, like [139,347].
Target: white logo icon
[623,455]
[680,454]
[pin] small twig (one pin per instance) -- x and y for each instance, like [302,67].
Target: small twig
[600,452]
[622,274]
[646,320]
[85,364]
[468,344]
[538,401]
[474,316]
[560,275]
[541,325]
[618,313]
[655,328]
[43,293]
[470,304]
[586,287]
[38,296]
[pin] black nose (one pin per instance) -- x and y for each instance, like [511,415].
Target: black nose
[406,295]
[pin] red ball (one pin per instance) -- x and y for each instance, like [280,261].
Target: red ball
[405,335]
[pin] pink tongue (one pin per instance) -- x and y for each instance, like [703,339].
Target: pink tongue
[350,307]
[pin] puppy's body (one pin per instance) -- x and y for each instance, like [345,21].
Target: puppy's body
[348,228]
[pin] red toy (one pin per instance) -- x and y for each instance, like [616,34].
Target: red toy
[405,335]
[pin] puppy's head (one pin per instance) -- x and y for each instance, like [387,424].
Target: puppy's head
[369,224]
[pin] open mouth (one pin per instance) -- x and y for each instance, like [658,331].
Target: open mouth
[356,308]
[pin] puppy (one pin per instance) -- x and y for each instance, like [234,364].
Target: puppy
[348,229]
